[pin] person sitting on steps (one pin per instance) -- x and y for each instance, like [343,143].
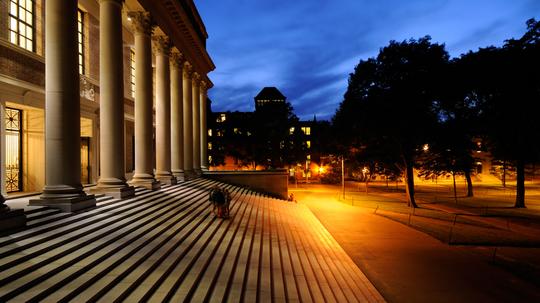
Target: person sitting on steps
[220,199]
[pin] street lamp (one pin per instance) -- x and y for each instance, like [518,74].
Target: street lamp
[343,177]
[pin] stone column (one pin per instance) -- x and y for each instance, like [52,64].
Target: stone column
[204,127]
[196,123]
[144,175]
[10,219]
[63,187]
[112,180]
[177,118]
[162,49]
[188,122]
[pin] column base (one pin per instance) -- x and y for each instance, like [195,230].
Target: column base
[116,192]
[11,220]
[166,179]
[190,175]
[197,171]
[151,184]
[204,168]
[68,204]
[179,175]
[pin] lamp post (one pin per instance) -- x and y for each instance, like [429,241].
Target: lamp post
[307,170]
[343,177]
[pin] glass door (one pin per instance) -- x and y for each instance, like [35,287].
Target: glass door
[13,121]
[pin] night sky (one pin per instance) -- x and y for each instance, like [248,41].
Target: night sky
[307,48]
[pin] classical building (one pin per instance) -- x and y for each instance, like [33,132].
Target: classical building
[114,94]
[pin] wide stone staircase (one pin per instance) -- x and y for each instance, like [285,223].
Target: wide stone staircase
[166,245]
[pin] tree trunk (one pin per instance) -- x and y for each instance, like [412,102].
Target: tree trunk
[469,183]
[455,188]
[520,184]
[409,185]
[367,184]
[504,174]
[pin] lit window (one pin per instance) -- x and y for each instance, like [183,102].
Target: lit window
[209,145]
[308,157]
[132,63]
[306,130]
[291,130]
[21,23]
[236,130]
[221,118]
[80,40]
[308,144]
[209,132]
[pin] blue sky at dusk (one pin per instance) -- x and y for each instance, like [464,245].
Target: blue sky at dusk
[307,48]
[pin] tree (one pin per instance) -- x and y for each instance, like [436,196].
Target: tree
[388,106]
[512,108]
[458,111]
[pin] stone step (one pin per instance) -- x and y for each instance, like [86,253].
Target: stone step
[219,269]
[73,250]
[64,254]
[167,245]
[123,261]
[76,221]
[184,228]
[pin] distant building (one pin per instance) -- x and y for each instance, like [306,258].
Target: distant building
[269,96]
[227,131]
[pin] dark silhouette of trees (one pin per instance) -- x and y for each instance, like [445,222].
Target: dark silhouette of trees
[411,95]
[458,110]
[388,107]
[513,105]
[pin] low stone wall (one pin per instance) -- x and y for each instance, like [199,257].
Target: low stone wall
[274,182]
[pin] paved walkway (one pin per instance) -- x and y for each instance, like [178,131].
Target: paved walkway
[406,265]
[166,246]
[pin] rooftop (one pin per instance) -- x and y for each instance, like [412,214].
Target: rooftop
[270,93]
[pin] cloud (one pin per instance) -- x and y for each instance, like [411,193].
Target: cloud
[307,48]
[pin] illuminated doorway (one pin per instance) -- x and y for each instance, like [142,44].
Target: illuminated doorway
[13,122]
[85,160]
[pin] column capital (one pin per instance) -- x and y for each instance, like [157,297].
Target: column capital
[161,45]
[188,70]
[141,22]
[196,77]
[204,86]
[177,58]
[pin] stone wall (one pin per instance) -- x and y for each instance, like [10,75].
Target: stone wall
[274,183]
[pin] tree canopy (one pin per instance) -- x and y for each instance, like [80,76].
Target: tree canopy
[388,109]
[412,95]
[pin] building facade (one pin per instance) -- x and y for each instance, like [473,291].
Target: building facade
[113,95]
[230,137]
